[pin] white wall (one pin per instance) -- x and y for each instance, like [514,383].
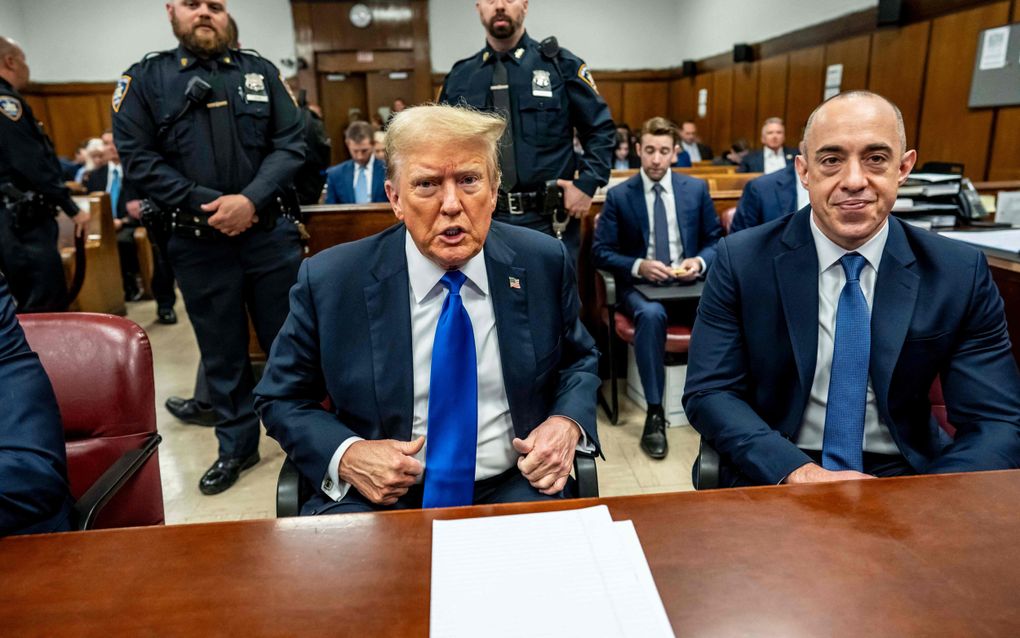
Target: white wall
[95,41]
[12,23]
[636,34]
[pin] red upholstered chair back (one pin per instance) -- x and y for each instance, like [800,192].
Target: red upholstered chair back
[101,370]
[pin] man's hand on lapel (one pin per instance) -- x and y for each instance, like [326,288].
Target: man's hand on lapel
[382,471]
[548,454]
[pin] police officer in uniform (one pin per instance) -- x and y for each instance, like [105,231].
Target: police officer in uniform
[546,92]
[32,192]
[214,137]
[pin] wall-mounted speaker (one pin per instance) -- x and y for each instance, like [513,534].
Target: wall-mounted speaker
[690,68]
[743,53]
[889,12]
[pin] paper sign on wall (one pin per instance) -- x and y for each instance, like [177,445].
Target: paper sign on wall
[994,48]
[702,102]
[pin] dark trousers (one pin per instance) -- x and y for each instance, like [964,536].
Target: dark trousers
[162,278]
[543,223]
[31,263]
[508,487]
[223,281]
[128,251]
[650,321]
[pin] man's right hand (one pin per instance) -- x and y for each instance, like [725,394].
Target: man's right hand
[814,473]
[81,223]
[382,471]
[653,270]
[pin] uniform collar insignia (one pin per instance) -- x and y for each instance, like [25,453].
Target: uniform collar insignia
[485,56]
[519,53]
[184,61]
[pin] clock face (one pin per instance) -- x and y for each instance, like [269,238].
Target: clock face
[361,16]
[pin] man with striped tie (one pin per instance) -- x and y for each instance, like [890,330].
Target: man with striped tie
[449,346]
[820,333]
[360,179]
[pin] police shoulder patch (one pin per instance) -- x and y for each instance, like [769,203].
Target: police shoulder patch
[11,107]
[585,74]
[120,92]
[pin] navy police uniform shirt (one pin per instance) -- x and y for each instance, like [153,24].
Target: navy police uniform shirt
[172,160]
[549,98]
[27,158]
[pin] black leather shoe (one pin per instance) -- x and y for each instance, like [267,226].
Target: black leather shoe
[132,294]
[653,440]
[191,411]
[166,316]
[224,473]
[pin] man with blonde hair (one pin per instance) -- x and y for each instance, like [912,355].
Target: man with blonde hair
[449,346]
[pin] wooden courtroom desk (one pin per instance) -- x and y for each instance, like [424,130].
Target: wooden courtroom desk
[921,556]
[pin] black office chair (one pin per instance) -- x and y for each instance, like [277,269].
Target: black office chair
[292,490]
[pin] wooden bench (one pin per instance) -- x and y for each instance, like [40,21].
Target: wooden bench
[102,290]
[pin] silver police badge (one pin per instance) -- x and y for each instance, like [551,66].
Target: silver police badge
[541,83]
[254,82]
[10,107]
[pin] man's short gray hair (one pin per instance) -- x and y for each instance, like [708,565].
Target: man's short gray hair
[772,120]
[434,124]
[901,130]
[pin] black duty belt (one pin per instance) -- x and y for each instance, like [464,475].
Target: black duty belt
[521,203]
[195,224]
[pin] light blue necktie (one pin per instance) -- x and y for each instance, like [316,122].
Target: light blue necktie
[452,437]
[115,189]
[843,441]
[661,227]
[361,187]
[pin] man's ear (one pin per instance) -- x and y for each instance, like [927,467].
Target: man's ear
[800,165]
[393,195]
[907,164]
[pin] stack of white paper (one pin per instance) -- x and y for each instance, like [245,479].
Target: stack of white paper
[569,573]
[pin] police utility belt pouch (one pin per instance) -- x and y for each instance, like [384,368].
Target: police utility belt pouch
[547,201]
[26,208]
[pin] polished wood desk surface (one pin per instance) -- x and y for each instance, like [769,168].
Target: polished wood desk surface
[924,556]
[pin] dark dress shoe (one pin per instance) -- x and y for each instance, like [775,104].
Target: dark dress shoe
[653,440]
[224,473]
[191,411]
[132,294]
[166,316]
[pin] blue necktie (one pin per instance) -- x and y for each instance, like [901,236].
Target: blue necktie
[843,441]
[361,187]
[115,189]
[453,405]
[661,227]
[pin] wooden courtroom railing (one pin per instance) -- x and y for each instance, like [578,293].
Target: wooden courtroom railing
[102,290]
[332,224]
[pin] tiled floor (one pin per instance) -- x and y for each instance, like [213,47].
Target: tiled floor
[187,450]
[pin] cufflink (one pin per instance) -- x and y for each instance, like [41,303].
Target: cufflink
[327,484]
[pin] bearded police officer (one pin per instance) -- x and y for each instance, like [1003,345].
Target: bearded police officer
[214,137]
[546,93]
[31,193]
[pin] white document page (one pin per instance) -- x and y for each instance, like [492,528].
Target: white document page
[1007,240]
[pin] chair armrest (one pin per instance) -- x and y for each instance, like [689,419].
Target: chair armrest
[706,468]
[586,474]
[115,477]
[610,283]
[288,490]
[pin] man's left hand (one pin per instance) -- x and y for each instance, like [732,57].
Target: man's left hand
[692,267]
[575,200]
[232,214]
[548,454]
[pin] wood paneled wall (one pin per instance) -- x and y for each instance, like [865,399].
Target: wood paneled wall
[71,112]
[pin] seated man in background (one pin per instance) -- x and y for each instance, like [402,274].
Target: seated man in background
[734,155]
[819,334]
[773,156]
[360,179]
[769,197]
[34,497]
[690,143]
[449,328]
[655,227]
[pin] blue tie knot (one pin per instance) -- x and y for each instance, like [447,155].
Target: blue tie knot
[453,280]
[657,188]
[853,264]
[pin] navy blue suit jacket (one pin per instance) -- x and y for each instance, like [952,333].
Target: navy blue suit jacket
[754,162]
[340,183]
[348,337]
[34,497]
[766,198]
[621,235]
[936,311]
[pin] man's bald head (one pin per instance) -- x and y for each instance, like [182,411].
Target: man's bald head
[13,66]
[901,130]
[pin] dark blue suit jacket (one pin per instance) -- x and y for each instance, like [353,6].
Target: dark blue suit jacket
[348,336]
[34,496]
[754,162]
[766,198]
[936,311]
[621,235]
[340,183]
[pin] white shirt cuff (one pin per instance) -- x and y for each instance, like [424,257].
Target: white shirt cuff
[636,268]
[332,486]
[704,267]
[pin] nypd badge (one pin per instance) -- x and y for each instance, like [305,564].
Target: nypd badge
[585,75]
[11,107]
[254,82]
[120,92]
[541,85]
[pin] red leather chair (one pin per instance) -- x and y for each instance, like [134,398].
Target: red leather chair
[101,370]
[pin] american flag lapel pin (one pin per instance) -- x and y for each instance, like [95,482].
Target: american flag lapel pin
[515,283]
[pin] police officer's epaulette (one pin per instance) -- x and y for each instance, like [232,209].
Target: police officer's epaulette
[252,52]
[152,55]
[550,48]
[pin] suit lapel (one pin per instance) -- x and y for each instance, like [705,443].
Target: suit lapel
[389,313]
[786,194]
[797,278]
[892,309]
[638,207]
[688,236]
[513,327]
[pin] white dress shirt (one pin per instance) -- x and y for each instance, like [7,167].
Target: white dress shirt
[495,452]
[676,246]
[692,150]
[831,279]
[774,160]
